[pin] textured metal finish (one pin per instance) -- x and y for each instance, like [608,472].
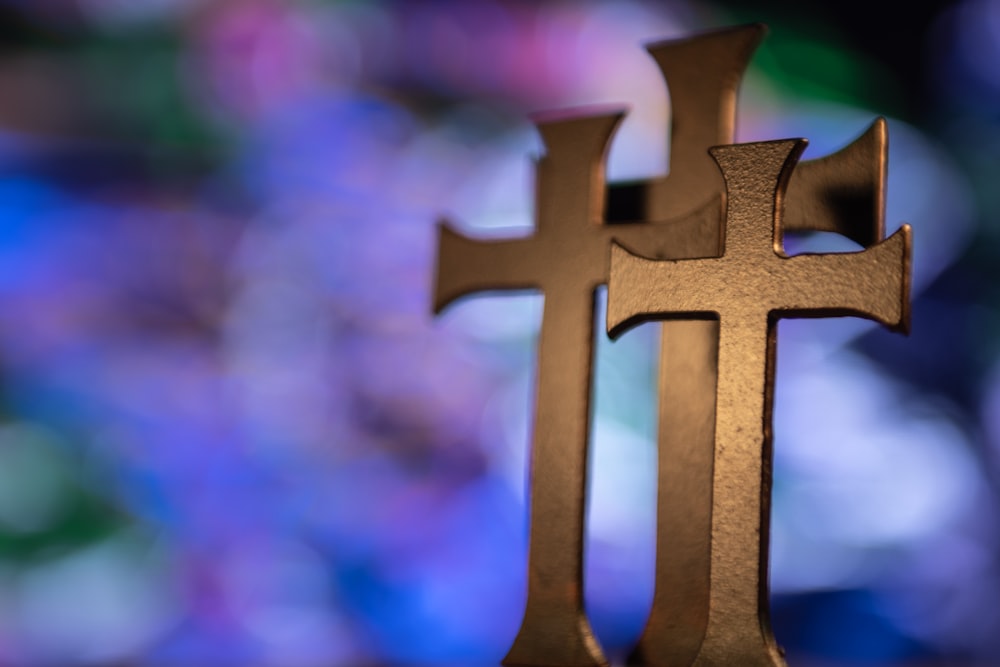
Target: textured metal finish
[843,193]
[567,259]
[746,290]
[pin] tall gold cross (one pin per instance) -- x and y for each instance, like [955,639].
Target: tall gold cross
[747,290]
[843,192]
[567,259]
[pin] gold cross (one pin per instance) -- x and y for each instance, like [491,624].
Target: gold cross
[567,259]
[843,192]
[747,289]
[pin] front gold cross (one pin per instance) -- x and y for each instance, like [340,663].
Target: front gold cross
[747,290]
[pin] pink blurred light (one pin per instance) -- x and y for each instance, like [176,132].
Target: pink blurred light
[253,58]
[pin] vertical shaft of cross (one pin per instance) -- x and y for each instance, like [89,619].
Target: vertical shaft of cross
[555,630]
[738,631]
[687,387]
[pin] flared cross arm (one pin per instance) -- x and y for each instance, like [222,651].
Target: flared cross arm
[747,290]
[566,247]
[843,192]
[753,279]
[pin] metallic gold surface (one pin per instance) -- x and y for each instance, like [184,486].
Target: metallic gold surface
[745,291]
[827,192]
[567,259]
[843,192]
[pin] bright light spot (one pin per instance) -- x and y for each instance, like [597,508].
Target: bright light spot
[859,466]
[96,605]
[622,502]
[508,317]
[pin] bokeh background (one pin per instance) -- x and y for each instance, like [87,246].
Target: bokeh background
[231,432]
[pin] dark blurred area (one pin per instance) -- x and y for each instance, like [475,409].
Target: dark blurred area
[232,433]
